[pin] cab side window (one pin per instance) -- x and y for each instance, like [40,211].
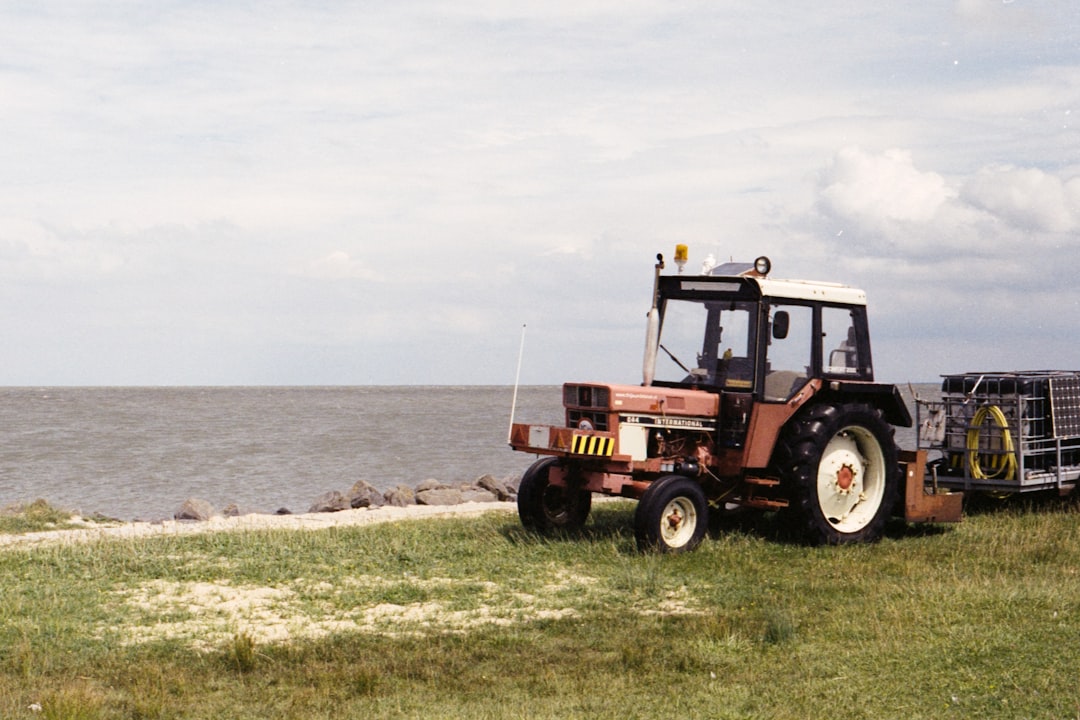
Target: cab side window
[840,352]
[789,358]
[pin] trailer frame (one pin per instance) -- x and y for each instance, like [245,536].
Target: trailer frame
[1003,433]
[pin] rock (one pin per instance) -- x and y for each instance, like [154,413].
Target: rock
[283,511]
[439,496]
[430,484]
[194,509]
[231,510]
[101,518]
[478,495]
[331,501]
[364,494]
[496,487]
[400,496]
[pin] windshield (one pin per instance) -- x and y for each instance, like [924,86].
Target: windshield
[708,343]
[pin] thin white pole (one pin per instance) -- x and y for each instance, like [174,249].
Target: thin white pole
[517,380]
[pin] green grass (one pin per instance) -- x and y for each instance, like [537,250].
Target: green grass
[32,517]
[477,618]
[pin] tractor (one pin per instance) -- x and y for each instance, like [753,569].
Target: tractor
[757,393]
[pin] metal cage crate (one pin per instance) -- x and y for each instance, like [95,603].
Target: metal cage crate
[1004,432]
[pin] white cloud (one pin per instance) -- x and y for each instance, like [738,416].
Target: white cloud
[878,189]
[1028,199]
[1005,16]
[1047,94]
[338,265]
[891,207]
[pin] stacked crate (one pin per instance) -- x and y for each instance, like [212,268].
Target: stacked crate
[1010,431]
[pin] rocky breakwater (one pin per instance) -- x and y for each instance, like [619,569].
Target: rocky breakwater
[362,494]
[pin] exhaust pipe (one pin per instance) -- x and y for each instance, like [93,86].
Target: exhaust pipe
[652,331]
[652,341]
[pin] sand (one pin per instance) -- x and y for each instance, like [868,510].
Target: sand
[308,521]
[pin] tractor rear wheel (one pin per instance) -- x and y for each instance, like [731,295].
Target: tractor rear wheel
[543,506]
[672,516]
[840,464]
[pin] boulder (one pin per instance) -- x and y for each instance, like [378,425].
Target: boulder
[430,484]
[364,494]
[476,494]
[439,496]
[98,517]
[496,487]
[400,496]
[331,501]
[194,509]
[231,510]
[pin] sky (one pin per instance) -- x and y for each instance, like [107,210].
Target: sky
[353,193]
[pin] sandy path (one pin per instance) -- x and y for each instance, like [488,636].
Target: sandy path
[306,521]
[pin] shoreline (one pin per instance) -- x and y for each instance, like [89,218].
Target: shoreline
[253,521]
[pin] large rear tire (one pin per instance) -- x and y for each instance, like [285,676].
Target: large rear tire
[672,516]
[840,464]
[543,506]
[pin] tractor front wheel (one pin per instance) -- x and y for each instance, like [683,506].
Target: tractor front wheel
[672,516]
[840,462]
[543,506]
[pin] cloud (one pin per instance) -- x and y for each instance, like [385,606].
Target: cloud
[881,204]
[338,265]
[885,204]
[1007,16]
[1028,199]
[876,190]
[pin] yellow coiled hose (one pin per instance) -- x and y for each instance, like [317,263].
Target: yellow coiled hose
[1007,471]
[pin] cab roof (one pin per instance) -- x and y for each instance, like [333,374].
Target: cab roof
[751,286]
[811,290]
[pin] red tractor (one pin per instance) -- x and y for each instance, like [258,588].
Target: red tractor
[757,393]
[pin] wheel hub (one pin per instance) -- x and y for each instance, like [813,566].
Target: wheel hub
[674,519]
[678,522]
[845,478]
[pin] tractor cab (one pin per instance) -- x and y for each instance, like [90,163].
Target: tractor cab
[739,333]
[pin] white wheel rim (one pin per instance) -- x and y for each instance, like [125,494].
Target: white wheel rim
[851,479]
[678,522]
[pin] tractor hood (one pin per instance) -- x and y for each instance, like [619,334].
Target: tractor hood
[640,399]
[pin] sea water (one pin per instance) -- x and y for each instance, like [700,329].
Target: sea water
[138,452]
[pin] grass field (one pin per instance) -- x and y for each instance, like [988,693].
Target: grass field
[478,619]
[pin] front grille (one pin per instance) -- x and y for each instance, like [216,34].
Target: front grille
[599,421]
[586,396]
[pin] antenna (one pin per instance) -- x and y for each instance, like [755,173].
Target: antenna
[517,380]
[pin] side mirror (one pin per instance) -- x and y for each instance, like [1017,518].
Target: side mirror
[780,325]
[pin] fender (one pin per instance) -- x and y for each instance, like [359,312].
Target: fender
[884,396]
[766,422]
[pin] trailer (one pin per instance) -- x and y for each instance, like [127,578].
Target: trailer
[1003,433]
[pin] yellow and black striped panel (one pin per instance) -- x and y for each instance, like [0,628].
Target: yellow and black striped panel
[593,445]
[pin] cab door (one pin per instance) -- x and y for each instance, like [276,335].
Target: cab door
[789,353]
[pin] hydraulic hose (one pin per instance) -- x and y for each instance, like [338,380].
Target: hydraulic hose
[1007,471]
